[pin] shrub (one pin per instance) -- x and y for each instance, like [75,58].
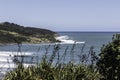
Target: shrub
[109,62]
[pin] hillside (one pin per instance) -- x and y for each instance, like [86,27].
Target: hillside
[14,33]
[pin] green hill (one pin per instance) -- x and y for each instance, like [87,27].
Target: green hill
[14,33]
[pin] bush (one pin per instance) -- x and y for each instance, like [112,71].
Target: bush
[109,62]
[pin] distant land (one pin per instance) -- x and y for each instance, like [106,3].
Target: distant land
[14,33]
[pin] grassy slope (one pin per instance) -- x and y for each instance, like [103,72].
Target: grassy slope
[12,33]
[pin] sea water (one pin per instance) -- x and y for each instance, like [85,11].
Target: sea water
[71,45]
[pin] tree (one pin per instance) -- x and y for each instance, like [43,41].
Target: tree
[109,61]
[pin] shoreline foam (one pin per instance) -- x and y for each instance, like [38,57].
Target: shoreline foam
[66,40]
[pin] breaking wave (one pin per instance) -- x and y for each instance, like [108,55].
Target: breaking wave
[6,61]
[66,40]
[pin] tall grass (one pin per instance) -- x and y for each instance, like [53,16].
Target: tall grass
[50,68]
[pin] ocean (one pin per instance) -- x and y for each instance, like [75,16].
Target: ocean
[72,45]
[95,39]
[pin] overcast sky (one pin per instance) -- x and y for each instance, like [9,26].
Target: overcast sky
[63,15]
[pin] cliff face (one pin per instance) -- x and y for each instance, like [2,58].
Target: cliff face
[14,33]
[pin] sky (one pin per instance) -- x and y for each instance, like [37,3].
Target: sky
[63,15]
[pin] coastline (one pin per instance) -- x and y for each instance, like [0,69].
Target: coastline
[4,44]
[45,41]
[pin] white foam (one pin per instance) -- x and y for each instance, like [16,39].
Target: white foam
[4,68]
[62,37]
[65,39]
[7,65]
[80,42]
[6,60]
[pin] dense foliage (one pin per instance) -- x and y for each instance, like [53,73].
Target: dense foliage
[7,37]
[10,32]
[45,71]
[109,62]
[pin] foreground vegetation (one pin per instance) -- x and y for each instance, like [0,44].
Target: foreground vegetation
[106,66]
[13,33]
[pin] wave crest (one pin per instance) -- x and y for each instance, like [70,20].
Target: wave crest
[66,39]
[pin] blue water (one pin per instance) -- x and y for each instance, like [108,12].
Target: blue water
[95,39]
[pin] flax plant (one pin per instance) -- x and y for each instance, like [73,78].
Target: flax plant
[47,69]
